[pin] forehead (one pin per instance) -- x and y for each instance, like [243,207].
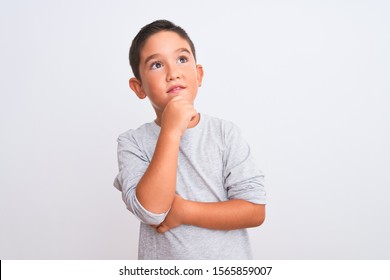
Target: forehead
[163,43]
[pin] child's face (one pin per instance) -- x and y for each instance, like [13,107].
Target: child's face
[167,69]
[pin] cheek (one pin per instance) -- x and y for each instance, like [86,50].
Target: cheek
[154,87]
[149,82]
[157,80]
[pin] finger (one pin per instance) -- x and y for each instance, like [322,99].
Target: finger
[195,114]
[162,229]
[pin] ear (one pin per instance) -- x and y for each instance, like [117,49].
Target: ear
[136,86]
[200,73]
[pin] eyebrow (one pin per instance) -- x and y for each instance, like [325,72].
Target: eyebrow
[153,56]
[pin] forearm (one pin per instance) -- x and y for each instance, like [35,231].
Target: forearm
[156,189]
[226,215]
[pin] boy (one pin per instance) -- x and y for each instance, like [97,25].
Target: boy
[188,177]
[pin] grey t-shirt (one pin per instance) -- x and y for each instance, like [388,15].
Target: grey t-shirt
[215,164]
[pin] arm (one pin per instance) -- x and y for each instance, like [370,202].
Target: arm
[156,189]
[246,198]
[226,215]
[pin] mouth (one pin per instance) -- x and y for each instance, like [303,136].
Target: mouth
[175,89]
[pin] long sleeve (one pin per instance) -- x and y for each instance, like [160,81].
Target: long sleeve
[133,162]
[242,178]
[214,165]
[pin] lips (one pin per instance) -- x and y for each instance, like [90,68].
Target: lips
[175,89]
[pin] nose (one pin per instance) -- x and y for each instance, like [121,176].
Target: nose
[173,73]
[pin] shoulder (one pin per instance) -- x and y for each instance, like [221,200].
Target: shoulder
[218,122]
[143,132]
[222,126]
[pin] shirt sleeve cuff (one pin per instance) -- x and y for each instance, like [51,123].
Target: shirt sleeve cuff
[146,216]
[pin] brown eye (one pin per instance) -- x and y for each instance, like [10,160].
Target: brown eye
[156,65]
[182,59]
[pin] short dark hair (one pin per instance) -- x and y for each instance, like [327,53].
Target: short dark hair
[144,34]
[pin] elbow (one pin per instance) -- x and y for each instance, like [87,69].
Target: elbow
[153,220]
[143,215]
[148,217]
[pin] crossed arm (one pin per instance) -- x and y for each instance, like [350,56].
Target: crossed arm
[156,189]
[226,215]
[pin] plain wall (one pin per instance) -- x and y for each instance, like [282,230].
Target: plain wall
[307,82]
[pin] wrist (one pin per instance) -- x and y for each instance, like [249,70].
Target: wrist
[174,134]
[187,212]
[171,134]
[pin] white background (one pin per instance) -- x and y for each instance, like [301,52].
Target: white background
[307,82]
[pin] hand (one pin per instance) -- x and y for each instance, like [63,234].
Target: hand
[177,115]
[175,216]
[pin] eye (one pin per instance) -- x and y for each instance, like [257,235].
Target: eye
[156,65]
[182,59]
